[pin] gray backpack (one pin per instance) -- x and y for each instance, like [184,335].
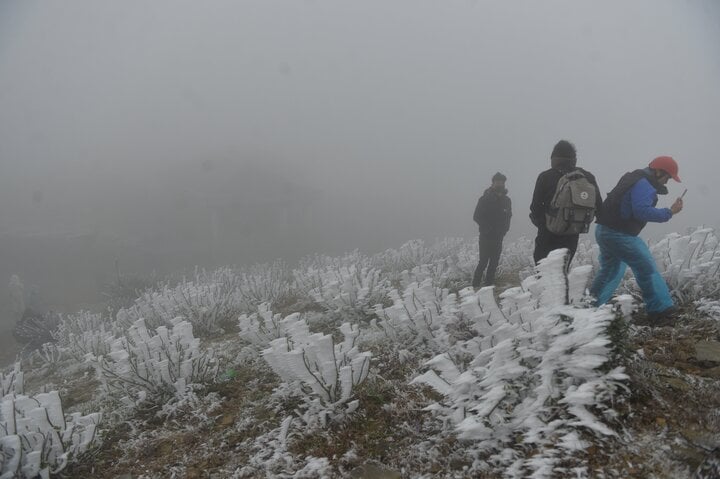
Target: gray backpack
[572,208]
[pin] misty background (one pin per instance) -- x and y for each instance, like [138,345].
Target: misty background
[150,137]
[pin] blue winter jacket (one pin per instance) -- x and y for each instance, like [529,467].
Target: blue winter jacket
[631,204]
[639,203]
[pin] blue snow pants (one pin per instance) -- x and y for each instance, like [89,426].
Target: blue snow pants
[617,251]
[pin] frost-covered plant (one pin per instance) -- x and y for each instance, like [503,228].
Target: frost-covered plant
[587,253]
[516,259]
[690,264]
[85,333]
[270,458]
[341,286]
[123,292]
[327,373]
[263,326]
[49,353]
[448,262]
[36,438]
[12,381]
[535,373]
[265,283]
[412,254]
[34,329]
[709,307]
[146,364]
[419,315]
[206,301]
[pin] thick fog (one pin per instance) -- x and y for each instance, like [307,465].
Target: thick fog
[168,134]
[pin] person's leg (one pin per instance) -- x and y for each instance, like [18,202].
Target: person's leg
[542,245]
[654,288]
[612,269]
[482,262]
[495,249]
[547,241]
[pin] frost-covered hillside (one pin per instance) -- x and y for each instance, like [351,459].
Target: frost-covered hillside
[379,366]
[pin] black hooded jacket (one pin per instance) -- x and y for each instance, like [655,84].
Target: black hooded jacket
[547,183]
[493,213]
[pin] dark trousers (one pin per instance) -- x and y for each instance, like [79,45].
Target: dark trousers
[547,241]
[490,249]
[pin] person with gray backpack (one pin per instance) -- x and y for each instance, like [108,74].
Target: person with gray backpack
[564,204]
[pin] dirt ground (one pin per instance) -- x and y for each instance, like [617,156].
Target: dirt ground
[672,415]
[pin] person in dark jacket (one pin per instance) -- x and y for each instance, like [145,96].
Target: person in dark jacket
[492,214]
[563,160]
[626,211]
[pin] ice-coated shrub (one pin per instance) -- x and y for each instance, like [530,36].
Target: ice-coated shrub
[516,260]
[690,264]
[587,253]
[709,307]
[147,364]
[265,283]
[36,438]
[414,253]
[261,327]
[418,316]
[49,353]
[535,382]
[34,329]
[123,292]
[448,262]
[347,285]
[327,373]
[206,301]
[85,333]
[12,381]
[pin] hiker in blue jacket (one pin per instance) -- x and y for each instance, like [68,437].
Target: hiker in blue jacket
[625,212]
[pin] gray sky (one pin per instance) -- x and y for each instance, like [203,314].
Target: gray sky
[279,128]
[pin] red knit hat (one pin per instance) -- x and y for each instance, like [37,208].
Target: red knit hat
[666,164]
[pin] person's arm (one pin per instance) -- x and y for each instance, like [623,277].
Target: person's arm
[508,217]
[537,206]
[479,215]
[642,197]
[598,195]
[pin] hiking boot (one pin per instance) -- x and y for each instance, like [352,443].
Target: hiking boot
[667,317]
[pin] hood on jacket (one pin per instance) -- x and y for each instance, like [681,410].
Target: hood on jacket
[561,163]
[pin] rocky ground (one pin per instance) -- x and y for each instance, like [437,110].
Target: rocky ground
[672,416]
